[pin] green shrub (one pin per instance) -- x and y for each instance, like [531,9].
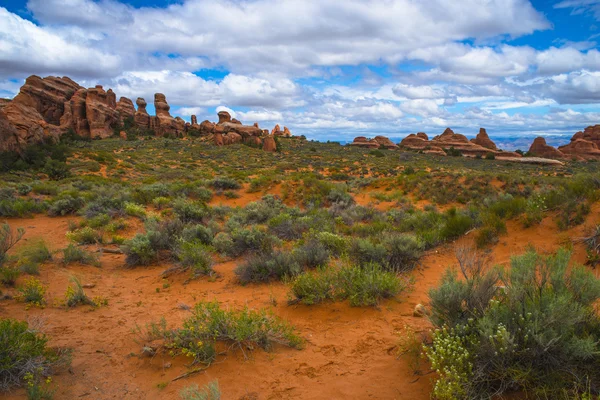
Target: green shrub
[244,240]
[335,244]
[208,392]
[9,275]
[455,226]
[311,254]
[36,251]
[32,292]
[24,189]
[161,202]
[195,256]
[490,156]
[268,267]
[139,251]
[85,235]
[492,228]
[364,251]
[537,332]
[135,210]
[209,324]
[286,227]
[223,183]
[190,211]
[66,205]
[74,254]
[198,232]
[403,252]
[20,207]
[23,351]
[75,295]
[56,170]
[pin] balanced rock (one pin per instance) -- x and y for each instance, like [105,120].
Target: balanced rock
[141,117]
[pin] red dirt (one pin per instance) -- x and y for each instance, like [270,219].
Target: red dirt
[349,352]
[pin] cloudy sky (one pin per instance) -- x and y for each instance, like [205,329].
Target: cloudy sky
[328,69]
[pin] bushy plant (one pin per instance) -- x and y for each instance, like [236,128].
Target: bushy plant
[9,275]
[403,252]
[531,327]
[139,250]
[135,210]
[75,295]
[195,256]
[8,238]
[74,254]
[66,205]
[57,170]
[335,244]
[36,251]
[208,392]
[190,211]
[311,254]
[198,232]
[23,351]
[268,267]
[32,291]
[209,324]
[243,240]
[365,251]
[224,183]
[85,235]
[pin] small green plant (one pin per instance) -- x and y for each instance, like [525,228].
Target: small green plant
[32,292]
[75,295]
[135,210]
[9,275]
[74,254]
[208,392]
[194,256]
[85,235]
[139,250]
[267,267]
[36,251]
[210,324]
[8,239]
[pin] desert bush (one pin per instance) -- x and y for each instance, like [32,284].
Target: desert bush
[492,228]
[56,170]
[223,183]
[139,250]
[85,235]
[21,207]
[403,252]
[286,227]
[198,232]
[243,240]
[23,352]
[75,295]
[36,251]
[24,189]
[311,254]
[134,210]
[195,256]
[335,244]
[362,286]
[66,205]
[268,267]
[161,203]
[9,275]
[8,238]
[32,291]
[340,198]
[364,252]
[190,211]
[74,254]
[456,225]
[209,324]
[592,244]
[536,333]
[208,392]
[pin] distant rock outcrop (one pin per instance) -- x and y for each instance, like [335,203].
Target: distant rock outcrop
[286,132]
[362,141]
[480,146]
[540,148]
[484,140]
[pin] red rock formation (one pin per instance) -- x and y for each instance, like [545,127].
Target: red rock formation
[141,117]
[101,112]
[164,123]
[385,142]
[581,149]
[591,133]
[484,140]
[194,120]
[361,141]
[286,132]
[276,131]
[269,143]
[125,109]
[423,135]
[539,148]
[224,116]
[235,121]
[415,142]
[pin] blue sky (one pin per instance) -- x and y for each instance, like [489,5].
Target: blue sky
[328,69]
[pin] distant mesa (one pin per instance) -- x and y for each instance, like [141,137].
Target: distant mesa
[47,108]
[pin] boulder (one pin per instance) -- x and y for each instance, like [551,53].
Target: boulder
[361,141]
[231,138]
[235,121]
[385,142]
[484,140]
[539,148]
[224,116]
[218,139]
[123,135]
[269,143]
